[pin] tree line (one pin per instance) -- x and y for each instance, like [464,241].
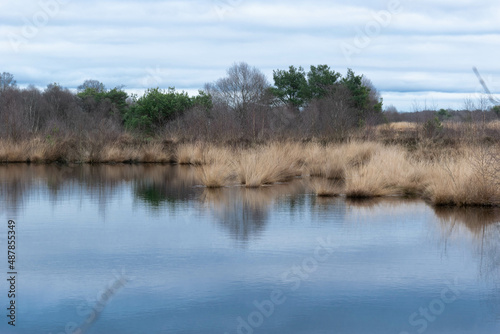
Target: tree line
[242,105]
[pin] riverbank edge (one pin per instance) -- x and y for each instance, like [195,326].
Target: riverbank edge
[453,175]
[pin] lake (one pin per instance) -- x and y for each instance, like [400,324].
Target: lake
[145,249]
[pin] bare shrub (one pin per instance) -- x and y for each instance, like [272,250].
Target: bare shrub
[471,179]
[331,117]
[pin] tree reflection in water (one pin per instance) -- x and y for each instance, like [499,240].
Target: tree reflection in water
[483,224]
[243,212]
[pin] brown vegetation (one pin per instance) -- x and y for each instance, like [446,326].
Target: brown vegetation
[456,171]
[73,150]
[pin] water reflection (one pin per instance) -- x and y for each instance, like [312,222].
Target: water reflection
[484,227]
[477,220]
[152,184]
[223,249]
[244,212]
[168,184]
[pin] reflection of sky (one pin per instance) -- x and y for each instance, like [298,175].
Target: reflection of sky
[190,275]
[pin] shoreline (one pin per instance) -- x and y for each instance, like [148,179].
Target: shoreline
[462,174]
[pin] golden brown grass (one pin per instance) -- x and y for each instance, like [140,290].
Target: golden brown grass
[71,150]
[332,161]
[389,172]
[216,175]
[189,154]
[268,164]
[368,181]
[13,152]
[373,177]
[466,175]
[325,188]
[471,179]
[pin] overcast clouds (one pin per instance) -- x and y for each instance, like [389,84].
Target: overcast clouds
[423,52]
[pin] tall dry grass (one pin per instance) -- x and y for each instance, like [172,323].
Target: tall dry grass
[216,175]
[389,172]
[325,188]
[466,175]
[271,163]
[332,161]
[88,150]
[189,154]
[471,179]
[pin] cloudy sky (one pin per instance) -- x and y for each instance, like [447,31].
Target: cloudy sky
[417,53]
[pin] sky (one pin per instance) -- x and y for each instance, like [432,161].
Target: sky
[418,54]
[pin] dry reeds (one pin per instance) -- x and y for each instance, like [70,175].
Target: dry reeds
[465,176]
[472,179]
[268,164]
[215,175]
[325,188]
[189,154]
[332,162]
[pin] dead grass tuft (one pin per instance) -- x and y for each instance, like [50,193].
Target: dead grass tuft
[387,173]
[470,180]
[215,175]
[268,164]
[189,154]
[325,188]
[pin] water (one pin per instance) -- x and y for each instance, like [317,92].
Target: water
[143,249]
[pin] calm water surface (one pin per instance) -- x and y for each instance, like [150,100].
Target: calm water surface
[143,249]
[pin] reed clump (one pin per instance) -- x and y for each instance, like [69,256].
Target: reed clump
[471,179]
[216,175]
[332,161]
[268,164]
[189,154]
[325,188]
[391,171]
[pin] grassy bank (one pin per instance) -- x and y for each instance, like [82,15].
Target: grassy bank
[467,175]
[455,173]
[124,149]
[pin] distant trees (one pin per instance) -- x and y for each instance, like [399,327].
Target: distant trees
[61,102]
[331,116]
[94,97]
[244,91]
[242,104]
[27,111]
[291,87]
[242,88]
[320,80]
[156,107]
[496,110]
[6,81]
[296,88]
[319,102]
[330,104]
[92,85]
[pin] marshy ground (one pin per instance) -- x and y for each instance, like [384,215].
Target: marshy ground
[392,161]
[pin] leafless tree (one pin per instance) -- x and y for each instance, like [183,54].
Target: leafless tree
[332,116]
[374,93]
[60,102]
[12,118]
[6,81]
[33,105]
[243,85]
[245,91]
[95,85]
